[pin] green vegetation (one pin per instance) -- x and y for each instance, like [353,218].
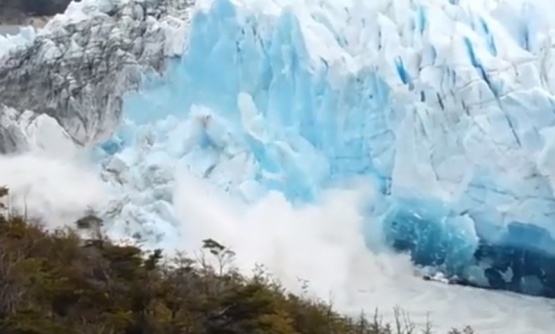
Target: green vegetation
[58,282]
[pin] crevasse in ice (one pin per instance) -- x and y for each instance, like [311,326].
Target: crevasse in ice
[447,105]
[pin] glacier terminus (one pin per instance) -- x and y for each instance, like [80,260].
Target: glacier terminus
[447,107]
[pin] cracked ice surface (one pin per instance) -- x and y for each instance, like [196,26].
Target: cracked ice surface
[446,105]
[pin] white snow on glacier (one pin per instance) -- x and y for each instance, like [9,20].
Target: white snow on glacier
[297,131]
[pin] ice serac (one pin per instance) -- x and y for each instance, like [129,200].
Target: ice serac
[446,105]
[76,69]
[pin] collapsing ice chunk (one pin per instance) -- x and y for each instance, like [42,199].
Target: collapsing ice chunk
[516,261]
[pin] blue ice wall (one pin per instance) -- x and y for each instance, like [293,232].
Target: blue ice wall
[250,108]
[312,132]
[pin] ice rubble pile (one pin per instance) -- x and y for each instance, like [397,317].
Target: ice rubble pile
[447,105]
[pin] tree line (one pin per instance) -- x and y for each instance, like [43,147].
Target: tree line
[54,282]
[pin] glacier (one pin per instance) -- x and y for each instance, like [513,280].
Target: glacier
[445,107]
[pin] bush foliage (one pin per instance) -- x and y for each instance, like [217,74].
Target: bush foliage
[57,282]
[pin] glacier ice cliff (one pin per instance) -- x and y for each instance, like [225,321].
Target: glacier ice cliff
[448,106]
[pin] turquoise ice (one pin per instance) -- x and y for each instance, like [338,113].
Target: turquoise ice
[447,106]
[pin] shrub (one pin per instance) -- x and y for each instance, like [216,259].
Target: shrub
[57,282]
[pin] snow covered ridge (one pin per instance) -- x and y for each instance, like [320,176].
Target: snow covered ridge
[77,68]
[447,105]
